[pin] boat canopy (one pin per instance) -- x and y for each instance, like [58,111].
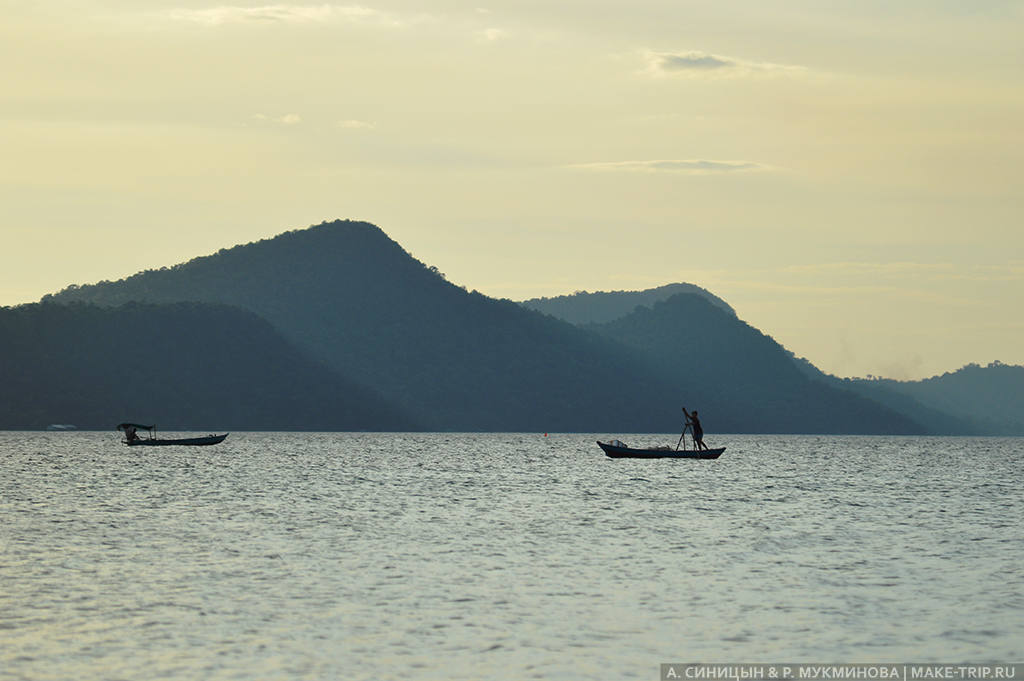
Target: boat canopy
[136,426]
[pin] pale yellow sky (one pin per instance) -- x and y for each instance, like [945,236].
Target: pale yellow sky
[847,175]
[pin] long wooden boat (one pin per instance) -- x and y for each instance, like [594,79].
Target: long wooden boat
[619,450]
[159,442]
[132,439]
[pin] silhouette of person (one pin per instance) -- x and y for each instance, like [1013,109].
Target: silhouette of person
[130,434]
[698,432]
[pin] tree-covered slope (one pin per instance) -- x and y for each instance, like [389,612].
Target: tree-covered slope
[353,298]
[740,379]
[183,366]
[973,400]
[600,307]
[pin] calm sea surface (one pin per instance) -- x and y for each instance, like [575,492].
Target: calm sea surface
[501,556]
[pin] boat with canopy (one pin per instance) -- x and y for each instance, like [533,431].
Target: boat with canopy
[132,439]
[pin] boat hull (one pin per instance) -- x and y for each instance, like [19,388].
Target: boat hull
[193,441]
[616,452]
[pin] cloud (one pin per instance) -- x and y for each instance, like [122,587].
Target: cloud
[703,64]
[287,119]
[353,124]
[691,167]
[491,34]
[285,14]
[693,60]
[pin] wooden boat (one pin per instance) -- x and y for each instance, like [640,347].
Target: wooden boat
[158,442]
[619,450]
[133,440]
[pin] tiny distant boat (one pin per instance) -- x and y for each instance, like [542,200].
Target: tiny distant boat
[619,450]
[132,439]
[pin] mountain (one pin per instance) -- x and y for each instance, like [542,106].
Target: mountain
[349,297]
[740,379]
[973,400]
[606,306]
[185,366]
[352,298]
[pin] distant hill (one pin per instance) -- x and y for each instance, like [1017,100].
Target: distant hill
[605,306]
[184,366]
[740,379]
[351,297]
[973,400]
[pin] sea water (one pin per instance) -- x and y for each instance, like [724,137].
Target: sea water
[501,556]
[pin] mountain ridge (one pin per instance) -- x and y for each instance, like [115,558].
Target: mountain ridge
[937,403]
[456,360]
[348,296]
[584,307]
[731,368]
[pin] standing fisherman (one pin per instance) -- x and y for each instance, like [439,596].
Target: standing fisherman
[698,432]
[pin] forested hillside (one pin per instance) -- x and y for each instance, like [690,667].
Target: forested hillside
[455,360]
[739,378]
[185,366]
[973,400]
[606,306]
[970,401]
[351,297]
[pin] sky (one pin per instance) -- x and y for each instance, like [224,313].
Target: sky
[846,174]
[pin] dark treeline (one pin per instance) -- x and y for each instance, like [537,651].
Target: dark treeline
[183,366]
[600,307]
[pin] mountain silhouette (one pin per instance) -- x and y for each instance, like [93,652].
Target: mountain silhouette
[741,379]
[599,307]
[185,366]
[353,299]
[974,400]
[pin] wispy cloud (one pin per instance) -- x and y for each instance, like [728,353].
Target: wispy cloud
[352,124]
[286,14]
[697,64]
[699,61]
[491,34]
[688,166]
[286,119]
